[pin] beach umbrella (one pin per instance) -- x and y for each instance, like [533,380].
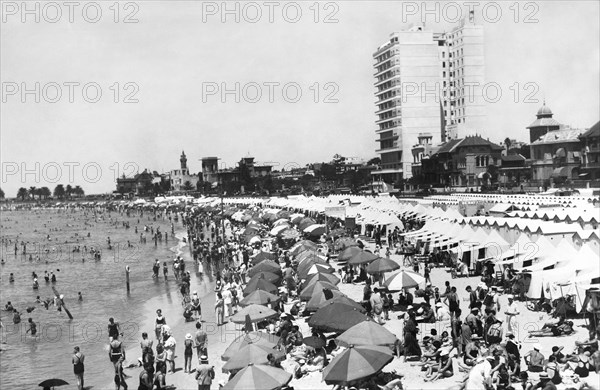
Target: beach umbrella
[362,257]
[306,222]
[311,256]
[314,342]
[262,255]
[382,264]
[343,300]
[357,362]
[321,296]
[53,383]
[269,276]
[265,266]
[348,253]
[260,284]
[336,317]
[278,230]
[315,269]
[303,245]
[367,333]
[251,354]
[345,242]
[262,377]
[258,338]
[315,230]
[296,218]
[281,222]
[324,277]
[259,297]
[313,288]
[403,279]
[256,312]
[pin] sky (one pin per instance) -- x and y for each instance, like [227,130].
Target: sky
[128,87]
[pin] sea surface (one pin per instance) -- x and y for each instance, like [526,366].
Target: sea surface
[25,361]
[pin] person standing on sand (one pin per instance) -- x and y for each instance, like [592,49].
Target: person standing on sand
[219,309]
[188,346]
[78,367]
[158,325]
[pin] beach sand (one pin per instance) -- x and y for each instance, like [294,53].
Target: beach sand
[219,338]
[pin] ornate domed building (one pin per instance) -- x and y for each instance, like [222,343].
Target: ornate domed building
[543,124]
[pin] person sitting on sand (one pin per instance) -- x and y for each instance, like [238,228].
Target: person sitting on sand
[443,369]
[534,359]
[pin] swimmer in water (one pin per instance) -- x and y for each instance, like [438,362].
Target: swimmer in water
[80,297]
[11,278]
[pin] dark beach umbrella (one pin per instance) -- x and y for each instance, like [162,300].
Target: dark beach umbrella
[53,383]
[270,276]
[263,256]
[336,317]
[306,222]
[318,298]
[367,333]
[302,246]
[348,253]
[265,266]
[382,264]
[323,277]
[258,377]
[314,342]
[337,232]
[343,300]
[362,257]
[314,288]
[260,284]
[251,354]
[256,312]
[258,338]
[259,297]
[357,362]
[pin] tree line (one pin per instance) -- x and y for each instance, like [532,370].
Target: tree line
[60,192]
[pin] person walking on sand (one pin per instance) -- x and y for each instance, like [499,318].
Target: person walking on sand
[188,346]
[119,375]
[205,373]
[159,321]
[78,367]
[169,345]
[219,309]
[200,339]
[512,311]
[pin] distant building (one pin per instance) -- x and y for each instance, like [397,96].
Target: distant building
[590,164]
[140,184]
[543,124]
[427,83]
[210,170]
[468,161]
[181,179]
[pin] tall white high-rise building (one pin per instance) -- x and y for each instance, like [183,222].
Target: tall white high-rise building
[426,83]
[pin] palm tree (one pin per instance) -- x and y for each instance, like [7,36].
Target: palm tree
[22,193]
[32,192]
[187,186]
[507,142]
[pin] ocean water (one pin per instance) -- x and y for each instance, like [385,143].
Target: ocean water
[25,361]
